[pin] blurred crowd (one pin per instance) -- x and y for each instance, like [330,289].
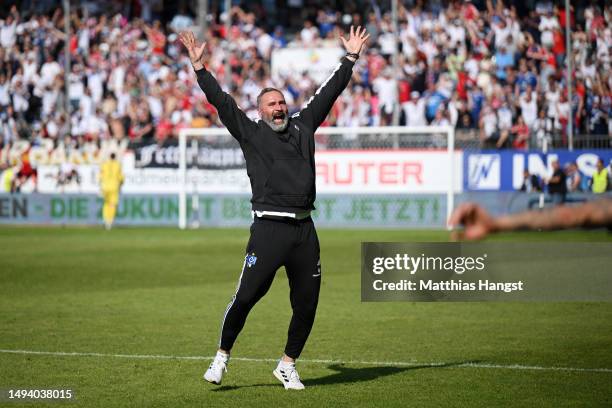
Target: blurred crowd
[478,66]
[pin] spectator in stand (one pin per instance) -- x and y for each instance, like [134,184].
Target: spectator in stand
[574,178]
[557,184]
[504,124]
[520,135]
[599,118]
[468,56]
[531,182]
[543,129]
[386,88]
[599,182]
[489,132]
[529,107]
[414,110]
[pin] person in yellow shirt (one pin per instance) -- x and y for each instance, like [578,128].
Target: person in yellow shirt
[6,178]
[111,179]
[599,183]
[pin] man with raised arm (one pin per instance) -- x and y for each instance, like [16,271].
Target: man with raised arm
[479,224]
[279,154]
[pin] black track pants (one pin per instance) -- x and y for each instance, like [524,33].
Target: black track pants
[274,243]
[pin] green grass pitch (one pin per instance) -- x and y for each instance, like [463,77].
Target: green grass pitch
[162,292]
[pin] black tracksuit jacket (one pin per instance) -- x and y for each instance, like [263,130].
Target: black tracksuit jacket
[281,166]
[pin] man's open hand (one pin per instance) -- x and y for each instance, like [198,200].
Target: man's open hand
[356,40]
[196,52]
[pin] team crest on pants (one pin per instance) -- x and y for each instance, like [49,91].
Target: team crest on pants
[316,275]
[251,259]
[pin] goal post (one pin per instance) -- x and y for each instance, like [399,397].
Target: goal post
[328,139]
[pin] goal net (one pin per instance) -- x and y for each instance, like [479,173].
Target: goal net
[369,162]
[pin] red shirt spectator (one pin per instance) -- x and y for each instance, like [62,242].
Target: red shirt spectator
[74,44]
[462,80]
[164,129]
[521,135]
[404,91]
[562,18]
[558,43]
[469,11]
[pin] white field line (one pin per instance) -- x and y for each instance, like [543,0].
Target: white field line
[316,361]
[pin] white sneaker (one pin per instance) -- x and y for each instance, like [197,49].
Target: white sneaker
[217,368]
[288,375]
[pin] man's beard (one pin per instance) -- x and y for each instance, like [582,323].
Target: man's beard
[278,127]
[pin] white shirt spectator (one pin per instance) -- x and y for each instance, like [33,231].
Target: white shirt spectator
[501,35]
[83,41]
[30,69]
[453,111]
[86,105]
[440,122]
[504,115]
[387,43]
[264,45]
[456,34]
[387,93]
[603,46]
[8,129]
[117,80]
[546,27]
[49,71]
[181,22]
[8,34]
[20,99]
[5,99]
[548,23]
[415,112]
[430,50]
[182,116]
[529,110]
[93,125]
[96,125]
[52,129]
[95,83]
[563,112]
[551,100]
[472,68]
[159,73]
[308,35]
[49,101]
[408,31]
[489,123]
[155,106]
[543,128]
[408,47]
[251,90]
[246,43]
[305,83]
[123,101]
[589,72]
[75,89]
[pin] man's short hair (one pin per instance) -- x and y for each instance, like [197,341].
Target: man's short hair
[265,91]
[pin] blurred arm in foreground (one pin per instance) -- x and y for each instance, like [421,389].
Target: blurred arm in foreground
[478,223]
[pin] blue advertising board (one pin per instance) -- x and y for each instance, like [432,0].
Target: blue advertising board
[502,170]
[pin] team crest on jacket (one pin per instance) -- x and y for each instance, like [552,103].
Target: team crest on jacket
[251,259]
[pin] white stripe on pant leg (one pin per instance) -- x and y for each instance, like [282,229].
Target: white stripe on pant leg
[233,300]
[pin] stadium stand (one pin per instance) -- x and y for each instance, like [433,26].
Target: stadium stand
[496,73]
